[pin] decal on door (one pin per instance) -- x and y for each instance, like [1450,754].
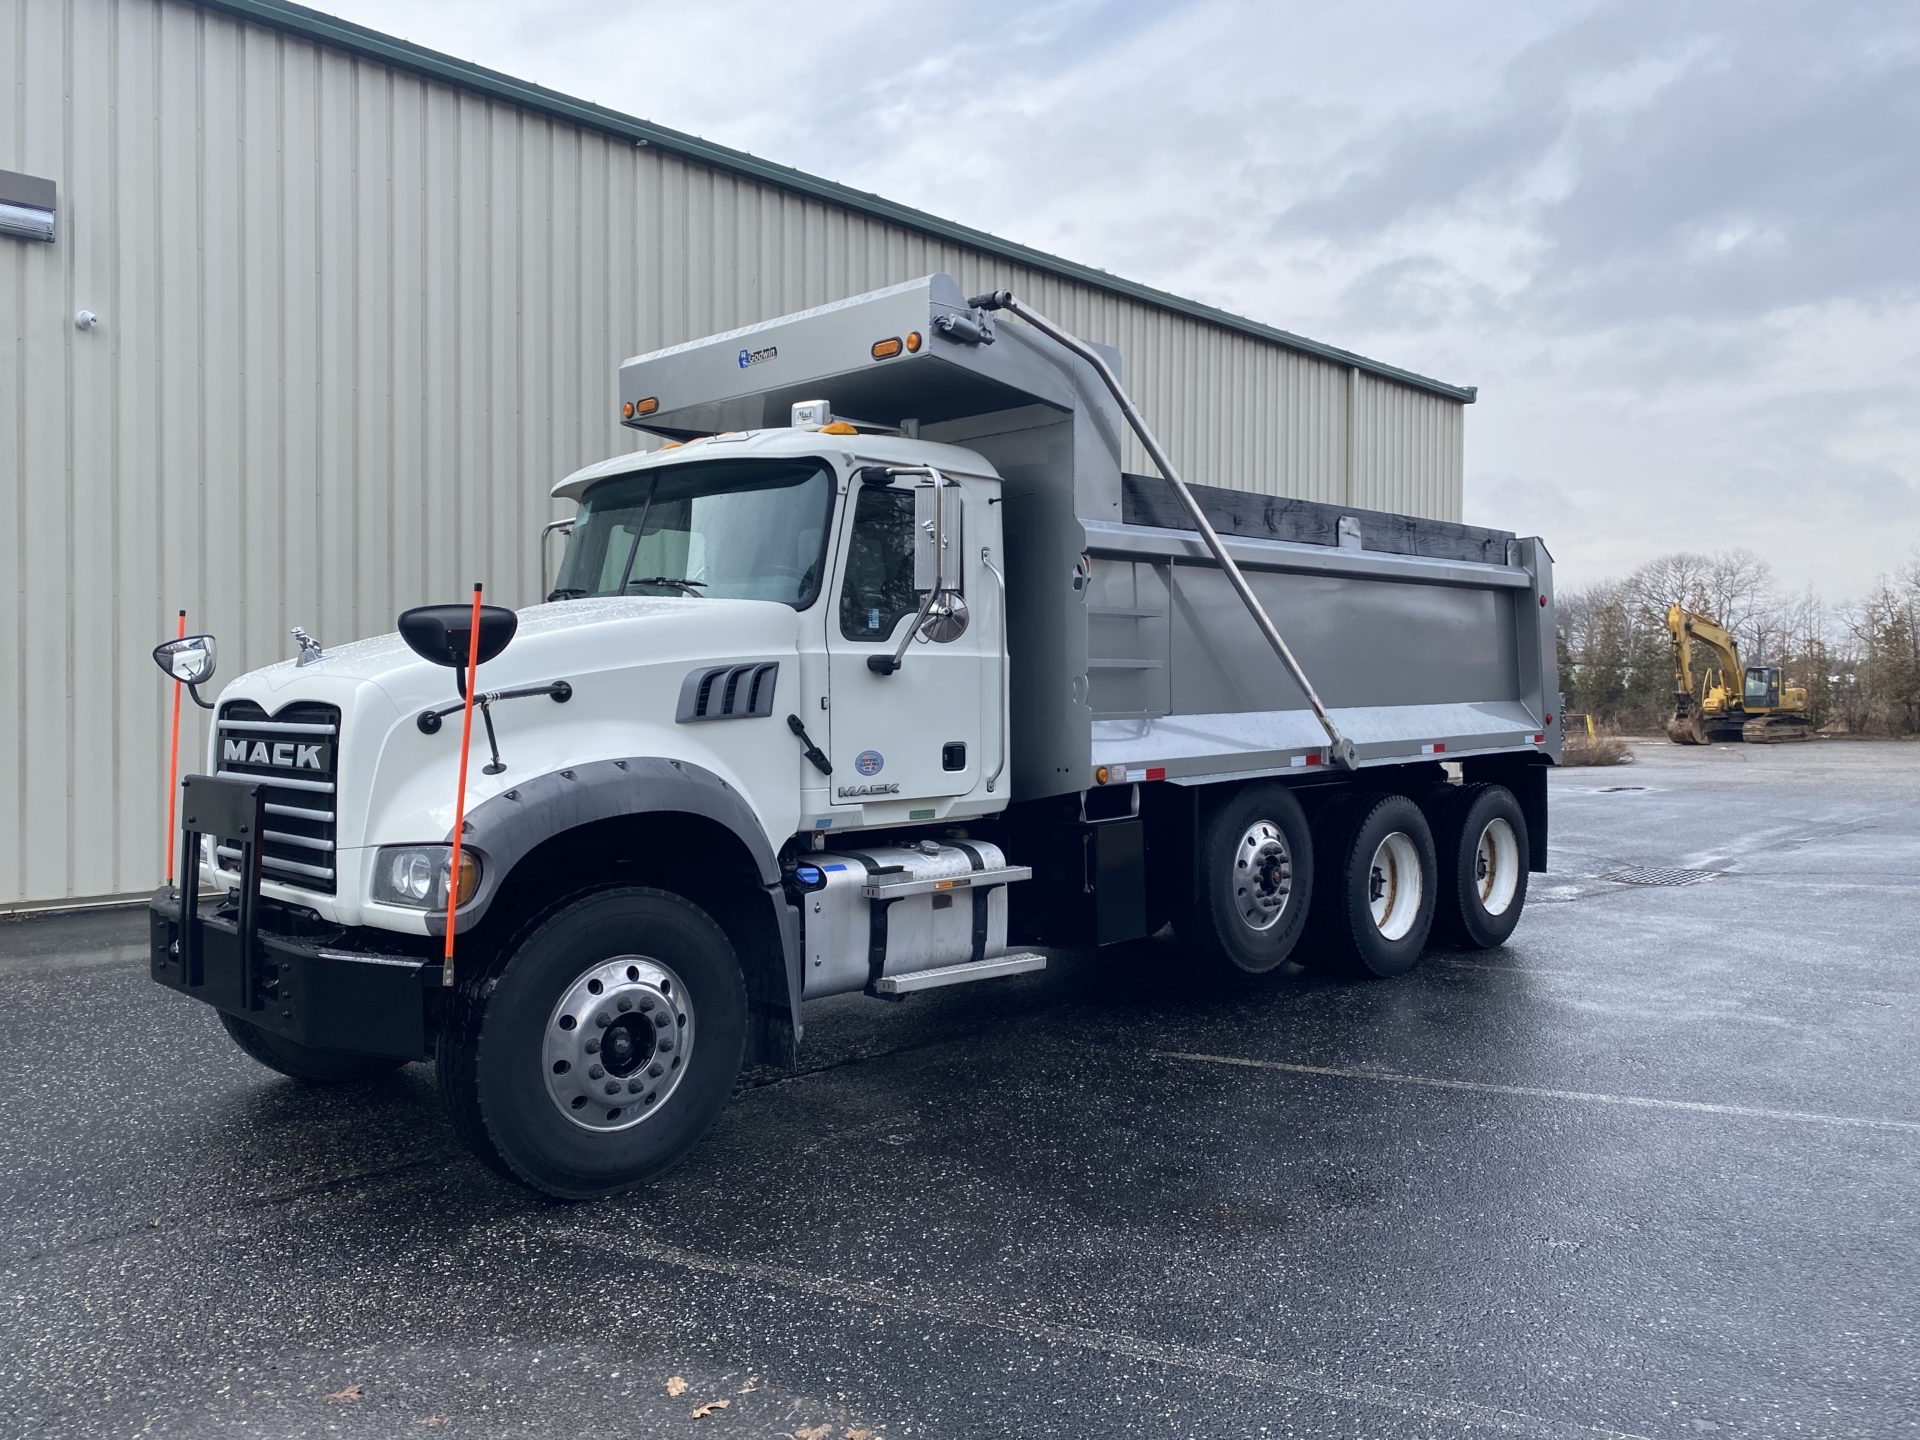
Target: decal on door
[869,762]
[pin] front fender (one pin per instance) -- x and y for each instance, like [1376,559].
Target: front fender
[506,827]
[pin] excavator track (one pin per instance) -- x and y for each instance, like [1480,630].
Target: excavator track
[1775,729]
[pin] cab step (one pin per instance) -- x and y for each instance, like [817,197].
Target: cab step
[991,968]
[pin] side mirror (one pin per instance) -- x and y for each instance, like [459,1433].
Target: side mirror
[936,538]
[441,633]
[189,660]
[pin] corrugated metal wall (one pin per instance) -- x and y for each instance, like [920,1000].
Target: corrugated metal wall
[353,323]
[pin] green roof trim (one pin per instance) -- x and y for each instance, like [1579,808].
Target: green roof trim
[355,39]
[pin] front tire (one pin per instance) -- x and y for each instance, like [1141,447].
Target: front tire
[1255,881]
[1481,836]
[599,1046]
[304,1062]
[1373,906]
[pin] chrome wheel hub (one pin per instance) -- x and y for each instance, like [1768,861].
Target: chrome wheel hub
[618,1043]
[1262,875]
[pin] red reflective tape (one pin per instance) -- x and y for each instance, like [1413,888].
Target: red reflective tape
[1313,759]
[1156,772]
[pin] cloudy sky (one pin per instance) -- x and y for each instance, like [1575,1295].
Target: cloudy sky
[1677,246]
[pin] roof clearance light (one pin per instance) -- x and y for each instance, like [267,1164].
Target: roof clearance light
[886,349]
[646,406]
[913,342]
[839,427]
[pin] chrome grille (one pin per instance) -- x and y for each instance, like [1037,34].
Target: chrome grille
[295,754]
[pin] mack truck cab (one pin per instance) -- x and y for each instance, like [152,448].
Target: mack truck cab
[856,684]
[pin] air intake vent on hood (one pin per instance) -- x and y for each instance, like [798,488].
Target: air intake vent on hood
[728,692]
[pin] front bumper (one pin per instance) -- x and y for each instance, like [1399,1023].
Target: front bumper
[318,990]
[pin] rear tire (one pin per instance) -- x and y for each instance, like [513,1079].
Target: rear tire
[304,1062]
[1374,901]
[1480,834]
[628,987]
[1255,881]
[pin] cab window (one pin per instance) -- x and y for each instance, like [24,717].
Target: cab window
[879,584]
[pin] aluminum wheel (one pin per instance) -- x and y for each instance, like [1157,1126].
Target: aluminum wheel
[1496,866]
[1395,885]
[618,1043]
[1262,875]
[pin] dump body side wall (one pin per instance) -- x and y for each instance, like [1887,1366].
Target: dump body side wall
[1414,656]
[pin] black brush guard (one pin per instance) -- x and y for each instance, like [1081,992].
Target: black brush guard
[312,983]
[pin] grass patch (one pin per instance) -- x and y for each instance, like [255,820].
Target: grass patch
[1601,750]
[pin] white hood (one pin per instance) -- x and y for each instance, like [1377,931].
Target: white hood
[626,659]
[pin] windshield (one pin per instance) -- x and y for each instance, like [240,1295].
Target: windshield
[740,530]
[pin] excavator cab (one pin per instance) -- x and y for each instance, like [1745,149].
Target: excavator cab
[1763,688]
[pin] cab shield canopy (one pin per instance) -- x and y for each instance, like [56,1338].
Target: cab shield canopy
[915,351]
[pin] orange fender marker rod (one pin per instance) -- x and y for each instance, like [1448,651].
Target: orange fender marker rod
[460,799]
[173,763]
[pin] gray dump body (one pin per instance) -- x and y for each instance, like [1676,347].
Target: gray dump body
[1129,647]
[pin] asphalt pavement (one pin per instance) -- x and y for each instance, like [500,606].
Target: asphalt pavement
[1653,1169]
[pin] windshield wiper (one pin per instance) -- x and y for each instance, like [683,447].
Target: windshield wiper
[691,587]
[564,593]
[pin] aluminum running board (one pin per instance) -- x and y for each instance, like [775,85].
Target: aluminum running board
[1339,747]
[891,889]
[992,968]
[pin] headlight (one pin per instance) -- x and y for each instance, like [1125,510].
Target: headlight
[416,875]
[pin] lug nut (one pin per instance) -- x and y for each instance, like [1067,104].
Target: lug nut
[625,1004]
[613,1087]
[654,1069]
[662,1020]
[646,1002]
[665,1043]
[635,1086]
[595,1073]
[593,1047]
[603,1019]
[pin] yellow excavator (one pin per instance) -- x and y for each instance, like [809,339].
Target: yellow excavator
[1761,710]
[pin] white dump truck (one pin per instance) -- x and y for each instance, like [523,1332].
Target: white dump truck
[882,675]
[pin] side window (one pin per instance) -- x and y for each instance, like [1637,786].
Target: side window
[879,586]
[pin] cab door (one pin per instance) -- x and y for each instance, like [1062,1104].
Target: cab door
[912,733]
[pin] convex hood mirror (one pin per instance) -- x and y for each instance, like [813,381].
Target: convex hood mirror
[189,660]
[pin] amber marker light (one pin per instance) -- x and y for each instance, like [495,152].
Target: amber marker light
[886,349]
[914,342]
